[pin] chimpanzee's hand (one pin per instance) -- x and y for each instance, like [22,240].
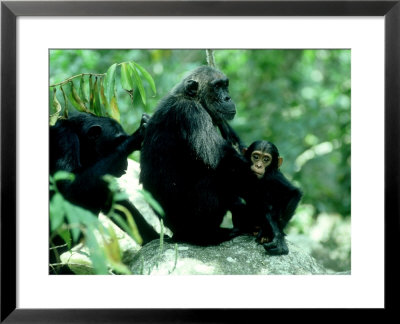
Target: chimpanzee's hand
[145,119]
[134,142]
[277,246]
[142,128]
[143,125]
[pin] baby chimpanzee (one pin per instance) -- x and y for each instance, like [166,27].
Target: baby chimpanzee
[270,198]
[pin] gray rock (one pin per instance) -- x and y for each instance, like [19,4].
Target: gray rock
[241,255]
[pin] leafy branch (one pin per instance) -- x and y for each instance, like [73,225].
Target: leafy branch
[97,92]
[76,76]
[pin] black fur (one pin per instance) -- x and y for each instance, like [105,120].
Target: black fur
[182,150]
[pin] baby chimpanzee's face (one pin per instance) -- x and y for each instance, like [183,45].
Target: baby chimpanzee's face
[259,162]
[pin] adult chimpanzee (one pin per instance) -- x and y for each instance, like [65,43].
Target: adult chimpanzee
[90,147]
[182,150]
[271,199]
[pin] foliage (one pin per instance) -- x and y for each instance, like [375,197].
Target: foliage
[97,93]
[70,222]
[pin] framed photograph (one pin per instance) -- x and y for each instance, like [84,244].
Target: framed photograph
[365,32]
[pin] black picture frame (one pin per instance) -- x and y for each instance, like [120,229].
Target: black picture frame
[11,10]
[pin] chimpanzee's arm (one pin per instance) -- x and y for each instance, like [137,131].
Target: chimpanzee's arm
[230,136]
[115,163]
[134,142]
[294,197]
[89,190]
[278,245]
[286,197]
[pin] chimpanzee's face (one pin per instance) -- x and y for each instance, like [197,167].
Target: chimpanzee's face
[211,88]
[260,162]
[263,157]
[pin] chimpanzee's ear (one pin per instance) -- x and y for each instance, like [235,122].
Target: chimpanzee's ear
[280,161]
[94,132]
[244,150]
[191,87]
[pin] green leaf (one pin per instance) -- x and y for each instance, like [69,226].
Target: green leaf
[65,114]
[147,76]
[104,99]
[121,223]
[133,229]
[111,247]
[114,254]
[63,175]
[109,82]
[114,109]
[97,254]
[126,78]
[112,183]
[78,217]
[138,82]
[97,104]
[75,99]
[120,195]
[120,268]
[152,202]
[91,94]
[57,211]
[66,236]
[82,91]
[72,212]
[56,108]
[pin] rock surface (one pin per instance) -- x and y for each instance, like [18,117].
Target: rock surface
[241,255]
